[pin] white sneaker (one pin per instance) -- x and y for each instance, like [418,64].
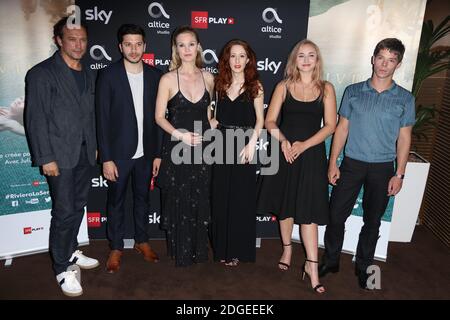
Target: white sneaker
[69,283]
[82,261]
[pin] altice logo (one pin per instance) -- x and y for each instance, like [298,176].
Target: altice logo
[270,15]
[274,15]
[156,10]
[103,54]
[98,53]
[211,59]
[161,12]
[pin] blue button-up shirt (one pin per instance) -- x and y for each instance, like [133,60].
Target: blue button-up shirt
[375,120]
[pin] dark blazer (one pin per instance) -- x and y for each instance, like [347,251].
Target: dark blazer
[57,116]
[117,131]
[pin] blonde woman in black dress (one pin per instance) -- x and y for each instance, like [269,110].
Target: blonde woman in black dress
[298,192]
[184,93]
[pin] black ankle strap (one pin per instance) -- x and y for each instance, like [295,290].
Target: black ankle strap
[287,245]
[312,261]
[318,287]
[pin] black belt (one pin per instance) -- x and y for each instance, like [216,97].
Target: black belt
[224,126]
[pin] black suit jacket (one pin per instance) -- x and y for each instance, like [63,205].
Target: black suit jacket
[57,116]
[117,130]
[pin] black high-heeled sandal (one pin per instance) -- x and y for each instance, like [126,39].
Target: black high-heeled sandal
[317,287]
[233,263]
[281,263]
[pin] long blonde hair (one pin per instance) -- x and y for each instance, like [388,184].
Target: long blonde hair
[292,74]
[176,60]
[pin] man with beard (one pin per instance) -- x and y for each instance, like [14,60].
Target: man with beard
[60,127]
[129,140]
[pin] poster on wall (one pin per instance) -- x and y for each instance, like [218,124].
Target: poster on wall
[26,31]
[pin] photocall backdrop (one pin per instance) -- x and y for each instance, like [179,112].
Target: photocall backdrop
[346,32]
[270,27]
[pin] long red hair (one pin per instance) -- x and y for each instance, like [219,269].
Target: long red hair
[224,79]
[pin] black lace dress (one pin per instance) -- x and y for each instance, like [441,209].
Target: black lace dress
[185,187]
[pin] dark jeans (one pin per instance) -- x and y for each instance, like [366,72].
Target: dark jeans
[69,192]
[375,179]
[140,171]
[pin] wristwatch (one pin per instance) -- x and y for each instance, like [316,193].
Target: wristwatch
[400,176]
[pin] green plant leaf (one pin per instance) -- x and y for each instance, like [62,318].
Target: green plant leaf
[430,60]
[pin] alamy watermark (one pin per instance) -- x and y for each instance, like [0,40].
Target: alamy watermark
[224,146]
[74,17]
[374,279]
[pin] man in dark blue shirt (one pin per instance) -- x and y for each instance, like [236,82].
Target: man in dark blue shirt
[375,124]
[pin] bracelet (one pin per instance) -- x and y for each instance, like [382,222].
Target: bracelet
[400,176]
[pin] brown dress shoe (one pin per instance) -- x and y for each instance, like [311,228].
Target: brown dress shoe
[113,263]
[146,250]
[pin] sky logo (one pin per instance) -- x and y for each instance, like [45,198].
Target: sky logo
[96,14]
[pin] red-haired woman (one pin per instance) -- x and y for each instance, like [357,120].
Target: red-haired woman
[240,117]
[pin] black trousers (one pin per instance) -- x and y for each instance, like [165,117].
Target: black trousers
[374,177]
[69,192]
[140,170]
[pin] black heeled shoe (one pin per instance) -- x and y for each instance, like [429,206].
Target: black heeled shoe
[281,263]
[233,263]
[324,269]
[317,287]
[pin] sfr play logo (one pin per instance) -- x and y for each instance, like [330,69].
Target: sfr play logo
[149,58]
[201,20]
[94,219]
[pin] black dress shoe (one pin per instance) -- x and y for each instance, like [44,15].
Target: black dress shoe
[325,269]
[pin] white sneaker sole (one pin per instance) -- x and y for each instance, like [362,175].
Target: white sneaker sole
[88,267]
[72,294]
